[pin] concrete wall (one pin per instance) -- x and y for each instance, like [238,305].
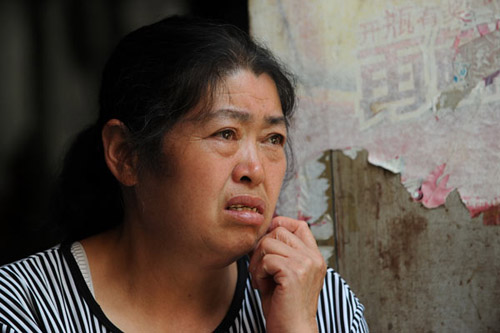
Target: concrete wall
[414,269]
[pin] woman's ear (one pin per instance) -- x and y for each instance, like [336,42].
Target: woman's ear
[119,158]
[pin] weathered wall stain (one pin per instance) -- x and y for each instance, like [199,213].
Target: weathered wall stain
[491,216]
[402,245]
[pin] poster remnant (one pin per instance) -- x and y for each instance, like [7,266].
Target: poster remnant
[416,84]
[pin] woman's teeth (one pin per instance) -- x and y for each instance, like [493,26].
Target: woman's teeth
[242,207]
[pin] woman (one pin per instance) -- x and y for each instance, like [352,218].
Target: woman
[171,195]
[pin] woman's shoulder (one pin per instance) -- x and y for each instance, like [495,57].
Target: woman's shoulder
[28,278]
[338,306]
[35,266]
[33,291]
[22,283]
[335,284]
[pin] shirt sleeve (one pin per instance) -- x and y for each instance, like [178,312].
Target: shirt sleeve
[6,329]
[339,310]
[16,314]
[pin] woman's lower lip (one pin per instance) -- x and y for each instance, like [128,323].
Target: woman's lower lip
[246,217]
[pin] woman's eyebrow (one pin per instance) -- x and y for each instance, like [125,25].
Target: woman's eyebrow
[275,120]
[241,116]
[244,116]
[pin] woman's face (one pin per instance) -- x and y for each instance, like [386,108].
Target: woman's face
[225,169]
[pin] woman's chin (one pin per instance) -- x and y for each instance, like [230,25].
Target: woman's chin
[244,247]
[233,245]
[232,252]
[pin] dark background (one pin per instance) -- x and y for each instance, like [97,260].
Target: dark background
[52,54]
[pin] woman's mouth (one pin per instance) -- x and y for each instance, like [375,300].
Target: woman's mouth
[246,209]
[243,208]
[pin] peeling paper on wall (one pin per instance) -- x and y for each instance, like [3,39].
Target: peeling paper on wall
[416,84]
[306,197]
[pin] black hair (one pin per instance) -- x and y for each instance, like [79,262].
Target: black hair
[154,77]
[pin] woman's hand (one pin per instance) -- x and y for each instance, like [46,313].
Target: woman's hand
[288,270]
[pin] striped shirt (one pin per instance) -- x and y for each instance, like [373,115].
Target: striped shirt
[47,292]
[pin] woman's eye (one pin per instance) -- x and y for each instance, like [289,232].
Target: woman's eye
[277,139]
[226,134]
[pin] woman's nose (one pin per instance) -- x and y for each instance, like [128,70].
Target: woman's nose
[249,168]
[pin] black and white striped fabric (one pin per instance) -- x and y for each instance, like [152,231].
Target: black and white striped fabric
[46,292]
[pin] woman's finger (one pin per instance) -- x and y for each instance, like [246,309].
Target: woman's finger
[268,270]
[278,241]
[297,227]
[269,245]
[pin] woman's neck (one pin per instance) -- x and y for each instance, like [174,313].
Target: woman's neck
[137,281]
